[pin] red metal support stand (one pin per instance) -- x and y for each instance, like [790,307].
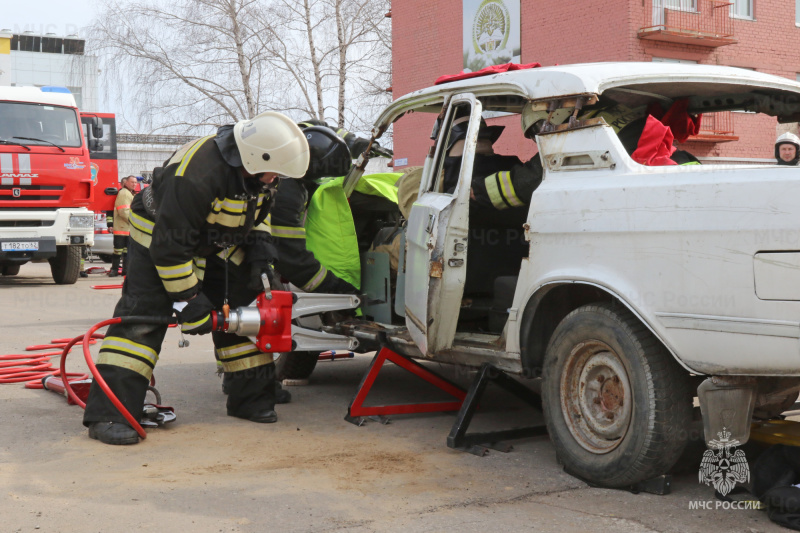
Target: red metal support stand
[358,410]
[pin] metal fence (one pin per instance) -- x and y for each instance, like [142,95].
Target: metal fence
[715,125]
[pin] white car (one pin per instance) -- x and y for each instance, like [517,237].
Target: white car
[103,239]
[635,289]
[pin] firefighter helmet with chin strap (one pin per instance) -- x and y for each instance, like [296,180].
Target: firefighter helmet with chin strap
[788,138]
[272,142]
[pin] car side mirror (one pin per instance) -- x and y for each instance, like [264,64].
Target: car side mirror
[97,127]
[111,191]
[95,145]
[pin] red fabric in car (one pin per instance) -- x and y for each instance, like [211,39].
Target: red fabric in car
[655,144]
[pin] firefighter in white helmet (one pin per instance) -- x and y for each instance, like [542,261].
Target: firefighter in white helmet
[207,206]
[787,149]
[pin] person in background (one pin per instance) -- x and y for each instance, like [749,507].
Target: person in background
[787,149]
[122,210]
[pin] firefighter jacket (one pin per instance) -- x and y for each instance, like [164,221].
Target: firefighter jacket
[198,205]
[287,221]
[315,232]
[122,209]
[498,181]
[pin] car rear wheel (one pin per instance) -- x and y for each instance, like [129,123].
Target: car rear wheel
[66,265]
[617,404]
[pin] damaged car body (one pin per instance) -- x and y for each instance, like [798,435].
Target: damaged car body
[631,289]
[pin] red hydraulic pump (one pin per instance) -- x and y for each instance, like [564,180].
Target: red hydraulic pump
[268,320]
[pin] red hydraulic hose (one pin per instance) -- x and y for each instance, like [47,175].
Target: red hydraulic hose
[31,368]
[97,377]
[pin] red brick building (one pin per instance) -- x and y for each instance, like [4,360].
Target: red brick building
[762,35]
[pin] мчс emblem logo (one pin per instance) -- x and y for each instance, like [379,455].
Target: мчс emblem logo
[724,468]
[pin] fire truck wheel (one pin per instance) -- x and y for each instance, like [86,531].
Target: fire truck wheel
[616,403]
[66,265]
[10,270]
[296,365]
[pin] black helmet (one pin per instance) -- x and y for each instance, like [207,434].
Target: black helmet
[458,131]
[329,154]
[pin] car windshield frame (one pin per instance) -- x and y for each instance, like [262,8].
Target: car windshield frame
[52,124]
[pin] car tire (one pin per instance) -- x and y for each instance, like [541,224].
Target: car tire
[296,365]
[616,403]
[10,270]
[66,265]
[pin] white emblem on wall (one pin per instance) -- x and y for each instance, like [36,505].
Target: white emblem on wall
[491,33]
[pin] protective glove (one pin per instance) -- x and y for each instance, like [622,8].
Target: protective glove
[256,269]
[336,285]
[195,318]
[261,256]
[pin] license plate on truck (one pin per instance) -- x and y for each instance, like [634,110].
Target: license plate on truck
[27,246]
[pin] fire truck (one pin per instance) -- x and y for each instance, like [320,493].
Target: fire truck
[46,182]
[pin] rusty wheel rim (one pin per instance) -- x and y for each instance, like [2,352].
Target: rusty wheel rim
[596,397]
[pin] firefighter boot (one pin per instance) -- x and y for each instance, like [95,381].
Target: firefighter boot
[281,395]
[113,433]
[251,394]
[113,272]
[104,420]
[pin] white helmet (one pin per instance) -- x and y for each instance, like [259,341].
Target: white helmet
[271,142]
[788,138]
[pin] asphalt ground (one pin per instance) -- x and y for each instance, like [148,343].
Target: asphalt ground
[311,471]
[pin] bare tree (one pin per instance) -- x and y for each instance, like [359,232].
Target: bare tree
[192,63]
[196,63]
[327,47]
[360,44]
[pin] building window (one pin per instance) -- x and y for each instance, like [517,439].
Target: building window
[743,9]
[797,13]
[683,5]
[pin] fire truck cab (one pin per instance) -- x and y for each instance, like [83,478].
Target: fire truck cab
[45,181]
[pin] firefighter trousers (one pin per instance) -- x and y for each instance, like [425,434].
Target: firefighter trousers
[130,351]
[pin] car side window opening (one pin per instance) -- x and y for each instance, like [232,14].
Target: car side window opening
[447,170]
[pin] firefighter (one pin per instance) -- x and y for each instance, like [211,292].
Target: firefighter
[199,238]
[330,157]
[499,182]
[121,225]
[787,149]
